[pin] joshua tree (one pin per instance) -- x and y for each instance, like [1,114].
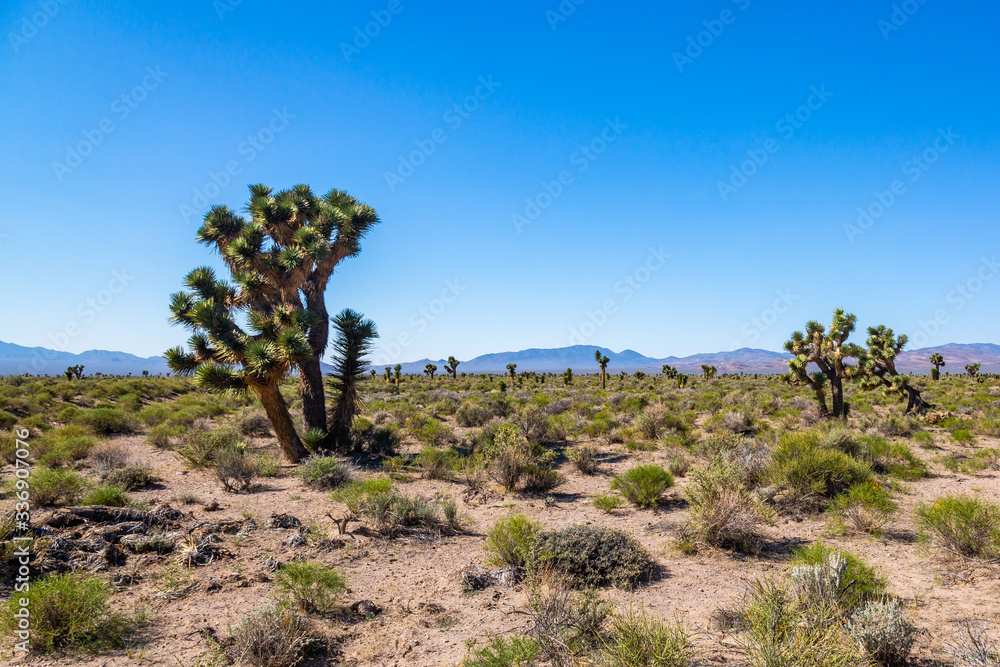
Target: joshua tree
[226,358]
[388,375]
[938,362]
[354,339]
[285,252]
[430,369]
[877,367]
[709,371]
[602,361]
[639,375]
[682,380]
[452,367]
[972,370]
[511,369]
[73,371]
[398,373]
[669,371]
[828,350]
[568,377]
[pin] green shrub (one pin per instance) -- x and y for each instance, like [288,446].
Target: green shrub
[885,633]
[161,435]
[311,586]
[52,486]
[860,581]
[510,539]
[803,467]
[105,420]
[584,457]
[639,640]
[515,651]
[130,478]
[643,485]
[325,472]
[724,512]
[7,420]
[963,437]
[437,463]
[607,502]
[964,525]
[203,445]
[63,447]
[268,465]
[589,556]
[105,494]
[866,507]
[71,612]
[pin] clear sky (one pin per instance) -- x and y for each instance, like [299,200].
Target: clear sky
[671,179]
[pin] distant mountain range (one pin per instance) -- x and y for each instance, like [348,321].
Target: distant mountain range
[18,360]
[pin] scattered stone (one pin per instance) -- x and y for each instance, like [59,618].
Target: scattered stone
[478,578]
[295,540]
[273,564]
[329,545]
[276,521]
[365,608]
[212,506]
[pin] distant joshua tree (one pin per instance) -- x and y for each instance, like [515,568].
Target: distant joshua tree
[512,369]
[452,367]
[388,375]
[639,375]
[669,371]
[709,371]
[602,361]
[398,373]
[430,369]
[73,371]
[568,377]
[972,369]
[938,362]
[353,341]
[682,380]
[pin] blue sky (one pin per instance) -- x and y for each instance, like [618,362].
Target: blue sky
[667,179]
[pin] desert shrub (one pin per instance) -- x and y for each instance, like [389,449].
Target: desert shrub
[7,420]
[161,435]
[803,467]
[452,517]
[356,494]
[429,431]
[858,583]
[566,624]
[202,445]
[253,424]
[71,612]
[724,512]
[511,460]
[104,420]
[534,424]
[438,463]
[129,402]
[964,525]
[272,637]
[8,446]
[890,458]
[892,425]
[643,485]
[376,440]
[584,457]
[866,507]
[325,472]
[776,630]
[236,469]
[963,437]
[510,539]
[637,639]
[885,633]
[473,414]
[589,556]
[108,459]
[973,647]
[105,494]
[311,586]
[541,479]
[63,447]
[607,502]
[514,651]
[52,486]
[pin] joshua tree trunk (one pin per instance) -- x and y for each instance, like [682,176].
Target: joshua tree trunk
[310,372]
[281,421]
[914,402]
[837,396]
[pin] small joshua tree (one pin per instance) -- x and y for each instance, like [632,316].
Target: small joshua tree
[568,377]
[682,380]
[828,350]
[430,370]
[452,367]
[74,371]
[388,375]
[511,369]
[602,361]
[398,373]
[709,371]
[669,371]
[938,361]
[972,370]
[353,342]
[877,367]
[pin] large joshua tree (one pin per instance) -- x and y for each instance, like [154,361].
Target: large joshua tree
[285,253]
[603,362]
[452,367]
[829,351]
[877,367]
[225,357]
[353,342]
[937,361]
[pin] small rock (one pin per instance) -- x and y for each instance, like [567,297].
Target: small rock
[273,564]
[295,539]
[212,506]
[365,608]
[276,521]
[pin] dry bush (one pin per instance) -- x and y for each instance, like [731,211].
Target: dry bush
[109,458]
[724,512]
[584,458]
[236,469]
[972,647]
[885,632]
[272,637]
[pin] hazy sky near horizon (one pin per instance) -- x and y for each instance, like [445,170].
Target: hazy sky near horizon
[670,179]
